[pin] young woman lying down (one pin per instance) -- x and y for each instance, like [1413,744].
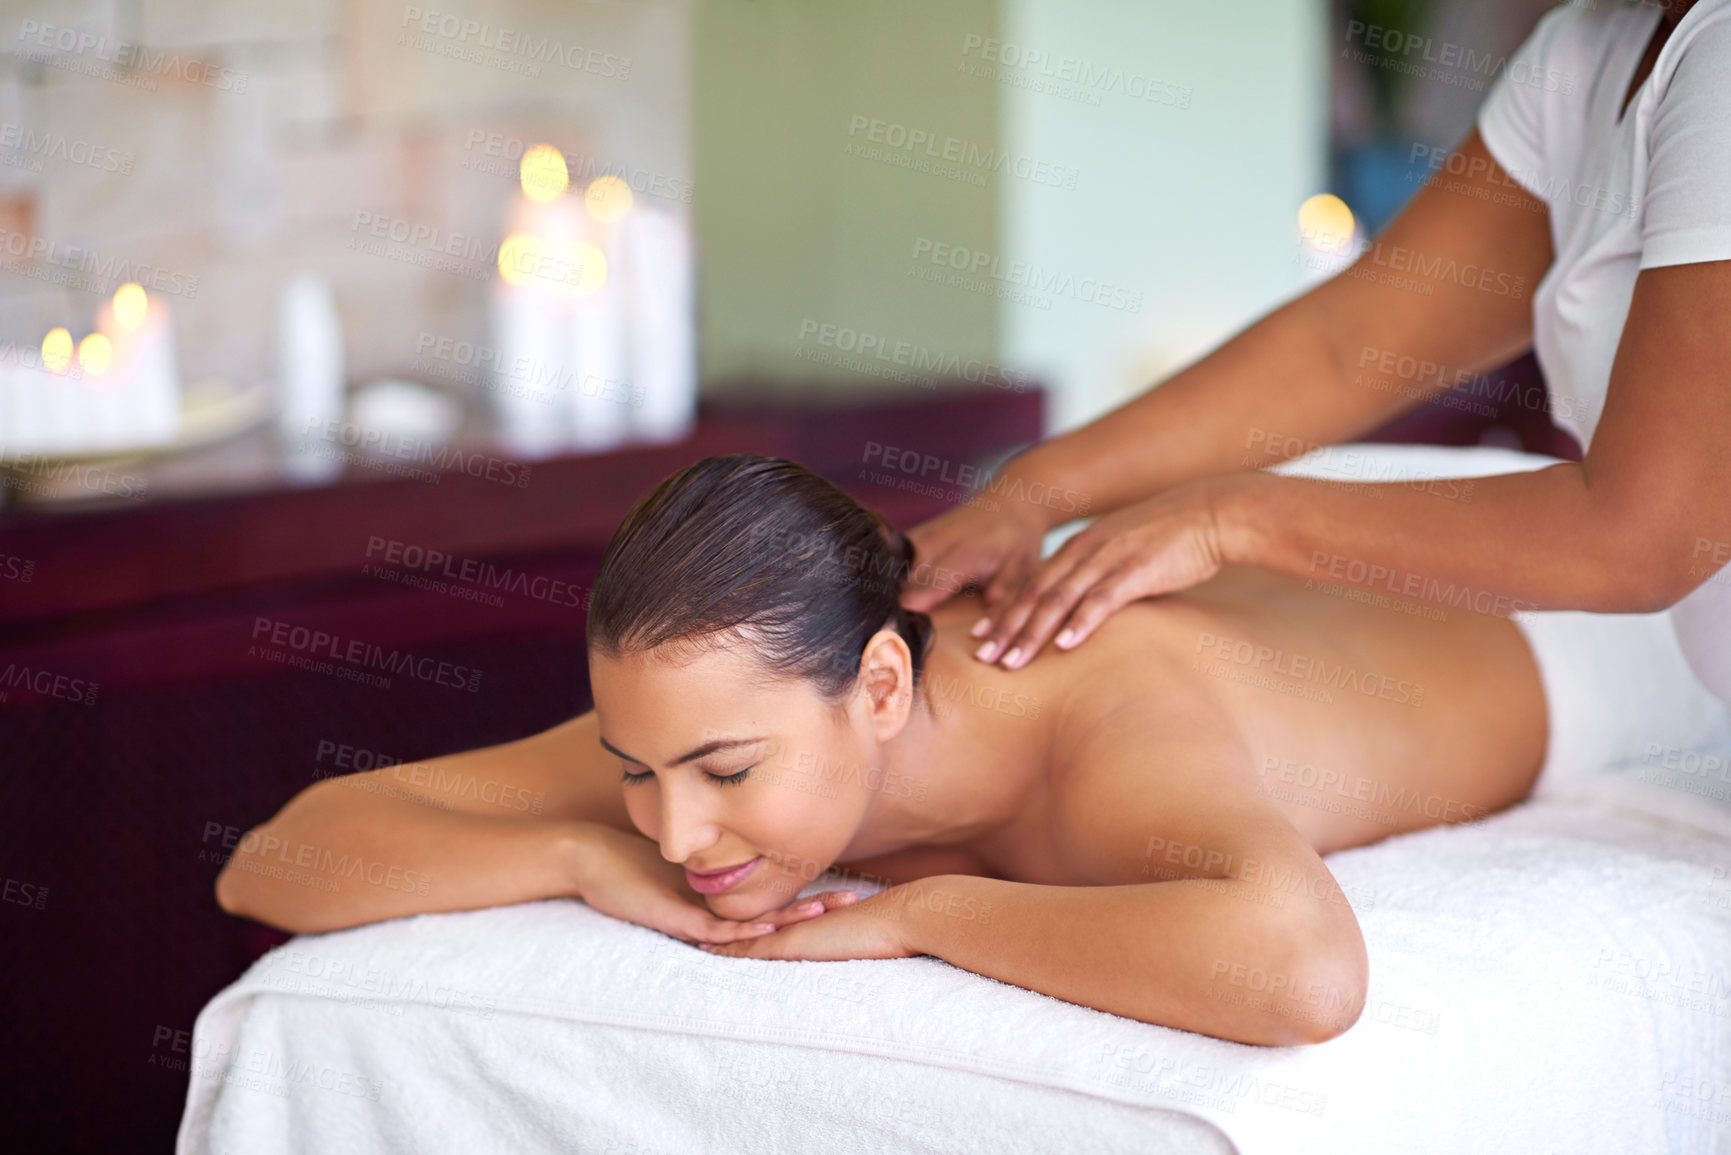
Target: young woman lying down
[1135,826]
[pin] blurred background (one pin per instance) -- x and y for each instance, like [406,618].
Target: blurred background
[333,328]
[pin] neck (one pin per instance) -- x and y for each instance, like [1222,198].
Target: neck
[953,774]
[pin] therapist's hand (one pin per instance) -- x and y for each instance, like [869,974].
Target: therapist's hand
[1167,543]
[998,550]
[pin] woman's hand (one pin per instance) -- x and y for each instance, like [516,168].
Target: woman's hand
[625,876]
[865,928]
[969,546]
[1158,546]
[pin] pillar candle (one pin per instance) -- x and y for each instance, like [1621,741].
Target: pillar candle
[598,368]
[663,324]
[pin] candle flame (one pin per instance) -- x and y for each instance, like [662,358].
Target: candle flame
[95,354]
[608,198]
[57,350]
[543,174]
[130,305]
[528,260]
[519,257]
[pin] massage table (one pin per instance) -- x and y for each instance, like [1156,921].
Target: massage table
[1552,978]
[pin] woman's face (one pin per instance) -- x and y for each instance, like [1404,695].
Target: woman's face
[736,766]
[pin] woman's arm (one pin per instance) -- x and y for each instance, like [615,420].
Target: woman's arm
[542,817]
[484,828]
[1214,956]
[1292,378]
[1209,912]
[1272,957]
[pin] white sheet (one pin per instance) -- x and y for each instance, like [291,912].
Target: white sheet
[1553,978]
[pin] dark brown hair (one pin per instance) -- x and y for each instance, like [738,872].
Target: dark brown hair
[764,550]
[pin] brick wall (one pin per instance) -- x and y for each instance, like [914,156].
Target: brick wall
[224,145]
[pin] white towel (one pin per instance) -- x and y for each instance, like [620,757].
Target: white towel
[1552,978]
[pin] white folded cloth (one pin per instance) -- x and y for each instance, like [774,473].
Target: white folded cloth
[1552,978]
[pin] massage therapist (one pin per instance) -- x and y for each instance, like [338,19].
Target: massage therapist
[1608,196]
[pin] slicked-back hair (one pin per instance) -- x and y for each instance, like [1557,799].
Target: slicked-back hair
[763,550]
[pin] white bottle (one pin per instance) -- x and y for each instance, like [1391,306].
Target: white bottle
[309,379]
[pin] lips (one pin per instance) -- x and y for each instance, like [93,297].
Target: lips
[718,881]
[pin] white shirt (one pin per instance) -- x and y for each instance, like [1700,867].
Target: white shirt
[1625,192]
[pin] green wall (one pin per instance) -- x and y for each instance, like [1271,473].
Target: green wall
[796,232]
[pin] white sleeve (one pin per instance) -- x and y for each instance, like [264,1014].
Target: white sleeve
[1511,120]
[1687,215]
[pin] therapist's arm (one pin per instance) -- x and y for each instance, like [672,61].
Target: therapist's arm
[1630,529]
[1633,528]
[1299,372]
[1295,378]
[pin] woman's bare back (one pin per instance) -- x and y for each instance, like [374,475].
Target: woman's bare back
[1352,721]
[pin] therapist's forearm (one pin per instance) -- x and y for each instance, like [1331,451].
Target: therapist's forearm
[1285,380]
[1542,540]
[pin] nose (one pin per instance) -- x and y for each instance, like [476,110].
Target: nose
[685,829]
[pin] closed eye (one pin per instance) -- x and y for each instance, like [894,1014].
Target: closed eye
[631,779]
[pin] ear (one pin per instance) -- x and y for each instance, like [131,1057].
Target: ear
[886,684]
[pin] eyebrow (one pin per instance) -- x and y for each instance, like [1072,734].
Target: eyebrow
[706,748]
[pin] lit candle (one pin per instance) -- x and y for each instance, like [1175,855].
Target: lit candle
[530,307]
[65,407]
[529,330]
[600,413]
[12,415]
[663,316]
[138,392]
[104,387]
[28,390]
